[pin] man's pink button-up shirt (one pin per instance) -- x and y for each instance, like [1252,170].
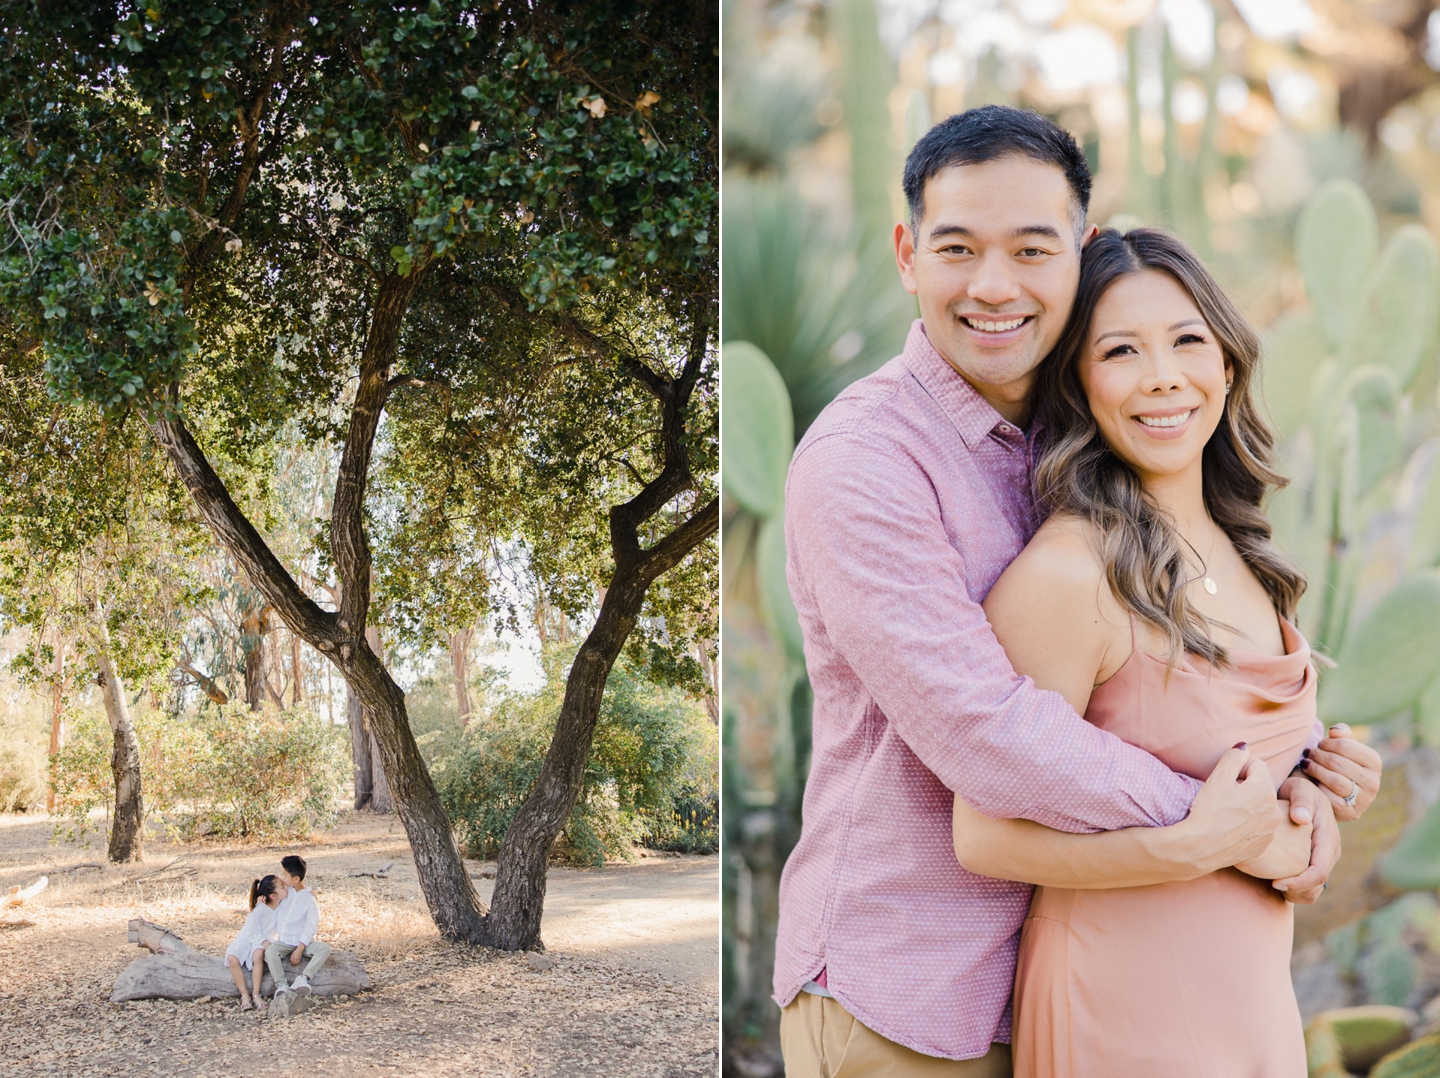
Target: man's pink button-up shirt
[907,498]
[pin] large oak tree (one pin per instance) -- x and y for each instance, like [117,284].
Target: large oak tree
[390,225]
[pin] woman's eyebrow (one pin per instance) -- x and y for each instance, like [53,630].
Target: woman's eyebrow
[1132,333]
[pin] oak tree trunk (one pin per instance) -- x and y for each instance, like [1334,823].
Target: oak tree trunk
[128,822]
[449,894]
[339,634]
[519,897]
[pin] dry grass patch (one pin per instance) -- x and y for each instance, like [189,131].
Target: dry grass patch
[436,1009]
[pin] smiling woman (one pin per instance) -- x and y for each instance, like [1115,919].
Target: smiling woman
[1152,600]
[1149,388]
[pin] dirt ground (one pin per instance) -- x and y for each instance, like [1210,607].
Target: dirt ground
[634,989]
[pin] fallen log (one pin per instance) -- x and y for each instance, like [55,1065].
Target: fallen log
[17,894]
[175,971]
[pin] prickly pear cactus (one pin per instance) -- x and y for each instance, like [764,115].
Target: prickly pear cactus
[1352,1039]
[1322,1051]
[1418,1059]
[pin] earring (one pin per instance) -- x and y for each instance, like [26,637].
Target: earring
[1227,387]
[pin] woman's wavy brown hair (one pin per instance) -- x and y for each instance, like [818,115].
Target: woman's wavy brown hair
[1078,475]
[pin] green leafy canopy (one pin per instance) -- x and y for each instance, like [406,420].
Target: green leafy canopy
[392,134]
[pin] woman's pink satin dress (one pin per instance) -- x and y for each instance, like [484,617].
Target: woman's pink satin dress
[1180,980]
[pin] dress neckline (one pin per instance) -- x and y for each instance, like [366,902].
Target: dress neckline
[1294,640]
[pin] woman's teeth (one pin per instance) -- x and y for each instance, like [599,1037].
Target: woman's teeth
[995,327]
[1167,420]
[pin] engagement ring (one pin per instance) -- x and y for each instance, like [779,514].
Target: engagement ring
[1354,793]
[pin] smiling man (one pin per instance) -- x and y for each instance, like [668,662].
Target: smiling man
[907,498]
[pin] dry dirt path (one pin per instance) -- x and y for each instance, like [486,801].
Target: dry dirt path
[634,989]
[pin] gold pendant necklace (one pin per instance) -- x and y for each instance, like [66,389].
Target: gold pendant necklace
[1206,580]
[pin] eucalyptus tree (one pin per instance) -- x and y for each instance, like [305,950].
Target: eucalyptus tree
[96,556]
[227,217]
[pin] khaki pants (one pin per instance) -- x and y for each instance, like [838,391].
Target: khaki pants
[277,953]
[820,1039]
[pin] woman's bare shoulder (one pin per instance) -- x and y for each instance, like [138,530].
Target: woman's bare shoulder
[1063,555]
[1052,612]
[1059,580]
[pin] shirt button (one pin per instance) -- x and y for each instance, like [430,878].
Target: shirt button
[1006,428]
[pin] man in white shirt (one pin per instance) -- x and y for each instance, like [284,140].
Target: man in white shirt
[296,921]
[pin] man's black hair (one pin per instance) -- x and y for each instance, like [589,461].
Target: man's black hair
[294,864]
[989,133]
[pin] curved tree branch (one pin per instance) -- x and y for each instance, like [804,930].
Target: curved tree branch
[239,536]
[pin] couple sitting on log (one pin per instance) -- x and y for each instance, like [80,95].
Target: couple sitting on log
[282,923]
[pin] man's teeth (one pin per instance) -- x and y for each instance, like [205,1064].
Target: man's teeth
[1165,421]
[995,327]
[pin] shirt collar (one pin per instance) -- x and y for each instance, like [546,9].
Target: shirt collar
[974,417]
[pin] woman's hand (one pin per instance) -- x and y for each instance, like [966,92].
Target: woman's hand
[1288,853]
[1339,765]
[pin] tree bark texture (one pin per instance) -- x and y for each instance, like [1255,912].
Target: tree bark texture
[457,909]
[381,799]
[128,821]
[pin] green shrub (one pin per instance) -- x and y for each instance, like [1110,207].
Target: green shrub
[229,772]
[692,825]
[485,782]
[648,741]
[265,774]
[80,773]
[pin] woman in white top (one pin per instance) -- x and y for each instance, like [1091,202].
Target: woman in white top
[247,949]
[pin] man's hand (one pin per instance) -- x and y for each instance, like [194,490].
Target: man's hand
[1305,800]
[1287,854]
[297,955]
[1340,764]
[1235,814]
